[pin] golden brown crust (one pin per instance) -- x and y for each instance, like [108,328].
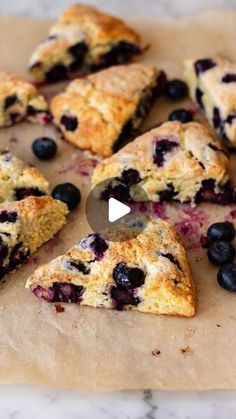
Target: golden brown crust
[195,158]
[158,251]
[102,103]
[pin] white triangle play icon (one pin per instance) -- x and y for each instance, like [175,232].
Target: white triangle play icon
[116,210]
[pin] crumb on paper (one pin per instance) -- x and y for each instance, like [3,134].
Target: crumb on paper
[187,351]
[13,140]
[156,352]
[59,308]
[218,325]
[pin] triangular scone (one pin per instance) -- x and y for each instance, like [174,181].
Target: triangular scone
[149,273]
[83,39]
[99,112]
[18,180]
[19,100]
[180,162]
[212,85]
[25,225]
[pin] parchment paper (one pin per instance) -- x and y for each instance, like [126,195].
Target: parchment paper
[109,350]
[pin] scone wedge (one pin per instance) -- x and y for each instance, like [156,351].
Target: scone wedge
[99,112]
[83,40]
[20,100]
[18,180]
[149,273]
[180,162]
[212,85]
[25,225]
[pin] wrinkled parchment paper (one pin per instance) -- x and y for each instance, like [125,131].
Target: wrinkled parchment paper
[108,350]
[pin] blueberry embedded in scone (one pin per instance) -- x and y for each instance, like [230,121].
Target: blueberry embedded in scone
[100,111]
[25,225]
[20,100]
[175,162]
[149,273]
[83,40]
[18,180]
[212,85]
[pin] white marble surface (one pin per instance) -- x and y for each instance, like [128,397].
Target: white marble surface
[29,402]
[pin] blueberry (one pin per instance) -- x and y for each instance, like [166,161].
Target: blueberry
[128,277]
[176,89]
[79,266]
[95,243]
[9,101]
[44,148]
[221,252]
[70,122]
[167,194]
[8,216]
[229,78]
[203,65]
[199,95]
[119,192]
[68,193]
[66,292]
[57,73]
[22,193]
[161,148]
[181,115]
[123,296]
[221,231]
[3,250]
[216,118]
[130,177]
[227,277]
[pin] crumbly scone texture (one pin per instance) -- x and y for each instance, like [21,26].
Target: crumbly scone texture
[212,85]
[25,225]
[18,179]
[80,38]
[101,104]
[19,100]
[168,162]
[85,277]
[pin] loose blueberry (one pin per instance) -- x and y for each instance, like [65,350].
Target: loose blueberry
[130,177]
[220,252]
[8,217]
[128,277]
[161,148]
[229,78]
[226,277]
[203,65]
[181,115]
[9,101]
[176,89]
[22,193]
[68,193]
[69,122]
[221,231]
[44,148]
[123,296]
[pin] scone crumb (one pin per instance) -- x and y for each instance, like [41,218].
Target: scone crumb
[156,352]
[187,351]
[218,325]
[59,308]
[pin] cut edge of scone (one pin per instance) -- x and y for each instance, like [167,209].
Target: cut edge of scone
[25,225]
[21,100]
[18,180]
[212,86]
[102,111]
[82,40]
[149,273]
[174,162]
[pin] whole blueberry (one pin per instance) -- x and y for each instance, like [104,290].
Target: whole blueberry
[181,115]
[128,277]
[44,148]
[221,252]
[221,231]
[68,193]
[176,89]
[226,277]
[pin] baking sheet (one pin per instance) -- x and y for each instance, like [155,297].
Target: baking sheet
[108,350]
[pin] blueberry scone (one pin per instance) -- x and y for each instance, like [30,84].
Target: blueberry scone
[176,161]
[82,40]
[25,225]
[212,85]
[149,273]
[20,100]
[100,111]
[18,180]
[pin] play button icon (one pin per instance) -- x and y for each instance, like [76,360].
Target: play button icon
[109,205]
[116,210]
